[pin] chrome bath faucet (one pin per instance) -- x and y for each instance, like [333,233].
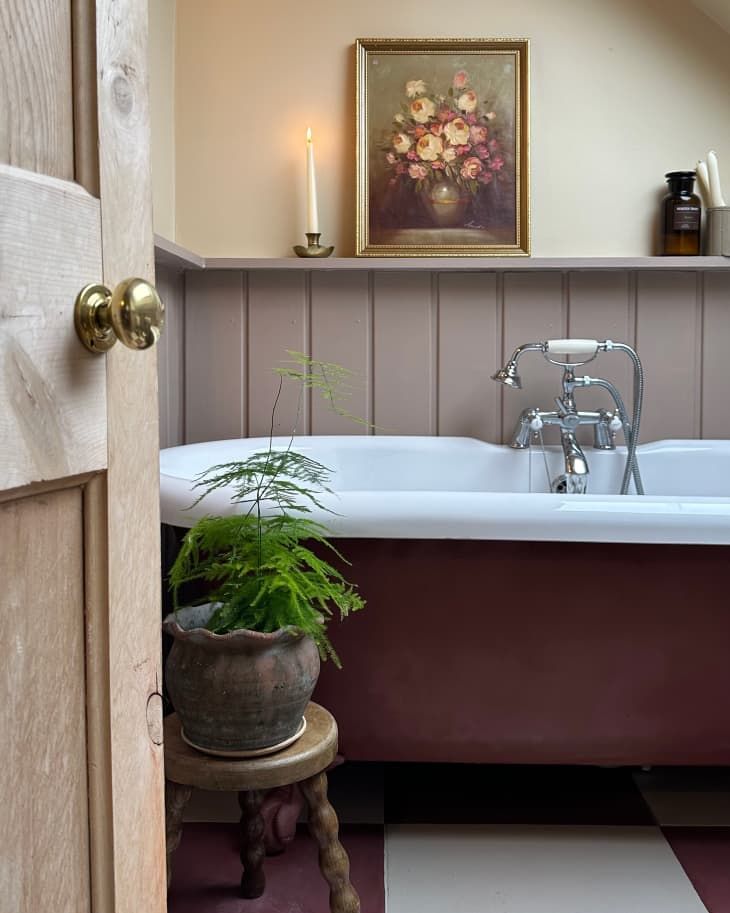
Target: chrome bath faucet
[566,416]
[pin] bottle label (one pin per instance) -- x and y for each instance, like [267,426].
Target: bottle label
[686,217]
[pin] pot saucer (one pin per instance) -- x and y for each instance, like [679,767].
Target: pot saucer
[253,752]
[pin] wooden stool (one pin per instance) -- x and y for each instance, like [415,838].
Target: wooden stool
[304,763]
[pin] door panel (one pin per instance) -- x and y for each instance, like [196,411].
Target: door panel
[36,127]
[42,705]
[135,674]
[52,391]
[79,483]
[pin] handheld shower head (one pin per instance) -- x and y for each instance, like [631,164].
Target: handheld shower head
[508,375]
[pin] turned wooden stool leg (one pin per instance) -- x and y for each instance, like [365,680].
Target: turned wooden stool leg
[176,798]
[253,880]
[333,861]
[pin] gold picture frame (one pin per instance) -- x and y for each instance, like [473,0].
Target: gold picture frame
[442,147]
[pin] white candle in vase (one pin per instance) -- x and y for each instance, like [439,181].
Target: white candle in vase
[312,214]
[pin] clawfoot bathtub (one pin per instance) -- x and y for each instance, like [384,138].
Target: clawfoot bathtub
[505,624]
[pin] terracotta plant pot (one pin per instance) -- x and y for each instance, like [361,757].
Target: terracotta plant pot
[238,692]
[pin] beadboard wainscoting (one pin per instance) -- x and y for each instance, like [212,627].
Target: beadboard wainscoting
[424,343]
[170,282]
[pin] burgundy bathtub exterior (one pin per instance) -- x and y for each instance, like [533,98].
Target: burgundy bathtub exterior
[536,653]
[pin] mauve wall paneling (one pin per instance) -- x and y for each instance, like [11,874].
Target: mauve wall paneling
[341,333]
[215,356]
[278,321]
[669,340]
[424,344]
[602,304]
[534,309]
[170,362]
[404,400]
[469,342]
[716,356]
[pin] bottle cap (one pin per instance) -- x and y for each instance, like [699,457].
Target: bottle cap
[680,175]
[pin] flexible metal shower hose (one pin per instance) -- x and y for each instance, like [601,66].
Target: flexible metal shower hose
[628,432]
[632,467]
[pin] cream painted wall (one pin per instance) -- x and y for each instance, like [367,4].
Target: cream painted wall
[622,91]
[162,114]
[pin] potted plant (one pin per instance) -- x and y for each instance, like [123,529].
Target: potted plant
[244,663]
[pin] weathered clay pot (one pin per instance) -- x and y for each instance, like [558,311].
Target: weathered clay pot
[240,691]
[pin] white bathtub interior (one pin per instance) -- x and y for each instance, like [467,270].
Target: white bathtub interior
[445,487]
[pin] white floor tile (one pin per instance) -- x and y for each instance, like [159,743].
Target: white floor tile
[515,869]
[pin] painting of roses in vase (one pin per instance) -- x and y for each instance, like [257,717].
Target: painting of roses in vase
[442,149]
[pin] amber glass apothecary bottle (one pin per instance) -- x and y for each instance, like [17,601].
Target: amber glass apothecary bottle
[681,216]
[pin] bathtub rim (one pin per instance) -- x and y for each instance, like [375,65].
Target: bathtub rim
[480,515]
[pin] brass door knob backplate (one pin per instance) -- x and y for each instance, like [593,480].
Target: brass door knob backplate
[133,313]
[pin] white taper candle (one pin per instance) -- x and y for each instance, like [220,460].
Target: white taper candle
[715,186]
[704,181]
[312,213]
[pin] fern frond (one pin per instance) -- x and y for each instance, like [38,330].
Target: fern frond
[264,576]
[331,381]
[258,564]
[274,475]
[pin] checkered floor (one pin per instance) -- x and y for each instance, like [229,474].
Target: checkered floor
[468,839]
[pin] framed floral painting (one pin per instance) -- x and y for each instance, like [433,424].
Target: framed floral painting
[442,147]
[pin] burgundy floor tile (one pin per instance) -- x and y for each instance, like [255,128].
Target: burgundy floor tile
[207,872]
[704,853]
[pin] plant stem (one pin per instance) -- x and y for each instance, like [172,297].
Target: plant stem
[259,482]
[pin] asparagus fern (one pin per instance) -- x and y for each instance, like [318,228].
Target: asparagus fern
[258,563]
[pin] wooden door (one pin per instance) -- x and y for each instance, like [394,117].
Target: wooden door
[81,781]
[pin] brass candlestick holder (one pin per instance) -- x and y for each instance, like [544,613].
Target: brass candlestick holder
[313,248]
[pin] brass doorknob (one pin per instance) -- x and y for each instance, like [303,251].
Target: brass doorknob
[133,313]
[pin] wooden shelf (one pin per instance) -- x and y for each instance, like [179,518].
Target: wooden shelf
[470,264]
[170,254]
[167,253]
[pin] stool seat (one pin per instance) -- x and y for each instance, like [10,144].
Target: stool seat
[304,763]
[313,752]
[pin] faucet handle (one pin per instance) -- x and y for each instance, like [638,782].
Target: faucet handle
[557,350]
[581,347]
[604,431]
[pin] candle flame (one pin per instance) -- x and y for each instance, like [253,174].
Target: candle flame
[309,134]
